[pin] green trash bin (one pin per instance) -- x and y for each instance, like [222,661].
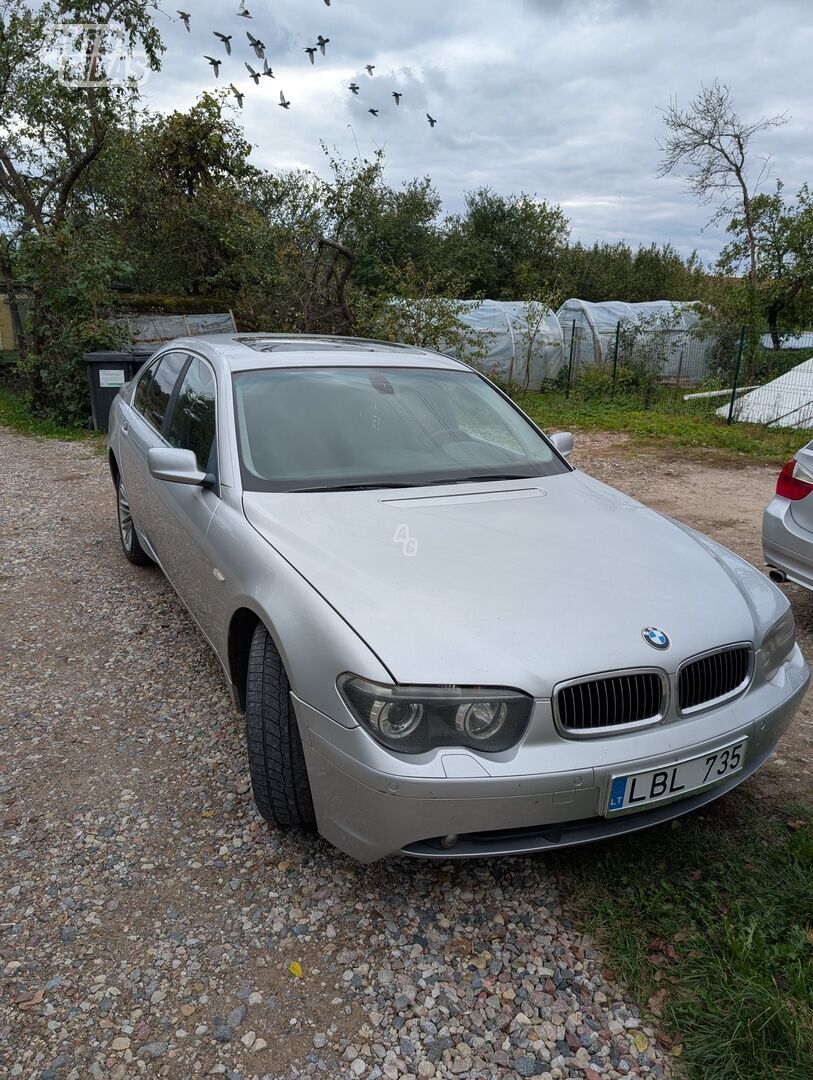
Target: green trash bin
[107,373]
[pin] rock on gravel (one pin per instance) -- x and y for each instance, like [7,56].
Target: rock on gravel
[158,916]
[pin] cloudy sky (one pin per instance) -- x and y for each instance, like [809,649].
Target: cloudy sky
[552,97]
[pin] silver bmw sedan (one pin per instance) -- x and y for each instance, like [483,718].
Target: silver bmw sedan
[446,640]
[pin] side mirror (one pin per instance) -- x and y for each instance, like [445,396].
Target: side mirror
[562,440]
[176,466]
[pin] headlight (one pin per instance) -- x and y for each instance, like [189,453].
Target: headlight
[414,719]
[777,645]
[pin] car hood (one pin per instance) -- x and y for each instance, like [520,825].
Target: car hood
[522,584]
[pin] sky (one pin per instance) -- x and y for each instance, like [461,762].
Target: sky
[556,98]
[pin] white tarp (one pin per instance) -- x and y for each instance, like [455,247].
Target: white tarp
[678,351]
[783,402]
[796,341]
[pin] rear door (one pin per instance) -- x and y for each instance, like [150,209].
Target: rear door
[141,429]
[179,514]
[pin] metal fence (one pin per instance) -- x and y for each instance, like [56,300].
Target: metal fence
[736,374]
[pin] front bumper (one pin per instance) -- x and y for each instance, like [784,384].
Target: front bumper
[370,803]
[786,545]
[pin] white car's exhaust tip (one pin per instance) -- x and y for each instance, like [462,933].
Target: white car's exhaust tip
[778,577]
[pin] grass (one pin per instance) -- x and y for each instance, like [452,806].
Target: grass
[694,426]
[709,921]
[14,413]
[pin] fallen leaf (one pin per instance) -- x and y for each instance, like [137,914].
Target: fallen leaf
[295,969]
[31,998]
[809,935]
[796,823]
[695,875]
[677,1050]
[641,1042]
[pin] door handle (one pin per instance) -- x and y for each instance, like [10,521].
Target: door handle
[125,427]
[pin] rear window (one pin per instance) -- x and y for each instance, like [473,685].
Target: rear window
[163,383]
[143,388]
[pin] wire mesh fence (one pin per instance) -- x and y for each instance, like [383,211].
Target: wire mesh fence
[734,374]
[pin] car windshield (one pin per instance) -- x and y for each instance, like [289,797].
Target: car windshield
[329,428]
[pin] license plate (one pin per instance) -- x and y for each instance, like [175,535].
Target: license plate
[636,791]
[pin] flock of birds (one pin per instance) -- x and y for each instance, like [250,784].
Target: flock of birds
[267,72]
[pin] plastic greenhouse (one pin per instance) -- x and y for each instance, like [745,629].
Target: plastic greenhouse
[667,339]
[502,330]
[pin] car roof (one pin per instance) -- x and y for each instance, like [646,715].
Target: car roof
[247,351]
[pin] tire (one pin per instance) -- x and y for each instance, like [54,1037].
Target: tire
[279,776]
[133,551]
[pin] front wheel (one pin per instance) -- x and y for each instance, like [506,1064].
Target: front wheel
[279,776]
[132,549]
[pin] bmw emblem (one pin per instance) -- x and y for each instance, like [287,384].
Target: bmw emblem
[655,637]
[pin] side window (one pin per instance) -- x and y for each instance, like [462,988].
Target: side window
[163,383]
[143,388]
[193,419]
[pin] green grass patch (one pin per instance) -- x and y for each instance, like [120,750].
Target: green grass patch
[709,920]
[695,425]
[15,413]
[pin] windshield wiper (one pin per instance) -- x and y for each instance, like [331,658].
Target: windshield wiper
[353,487]
[484,476]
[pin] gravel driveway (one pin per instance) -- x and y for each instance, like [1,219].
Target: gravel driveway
[149,918]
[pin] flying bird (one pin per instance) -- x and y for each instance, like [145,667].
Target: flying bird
[373,111]
[431,119]
[327,3]
[254,74]
[237,94]
[243,11]
[185,20]
[354,87]
[370,69]
[225,38]
[311,53]
[397,97]
[283,103]
[267,70]
[215,64]
[321,42]
[257,45]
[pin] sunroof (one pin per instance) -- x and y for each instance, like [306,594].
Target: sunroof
[270,343]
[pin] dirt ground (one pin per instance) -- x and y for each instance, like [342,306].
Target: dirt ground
[723,498]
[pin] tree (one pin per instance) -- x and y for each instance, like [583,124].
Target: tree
[713,144]
[51,133]
[501,242]
[782,234]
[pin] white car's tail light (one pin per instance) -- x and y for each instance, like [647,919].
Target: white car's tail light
[794,482]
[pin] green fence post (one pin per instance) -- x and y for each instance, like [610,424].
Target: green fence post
[615,353]
[570,361]
[740,348]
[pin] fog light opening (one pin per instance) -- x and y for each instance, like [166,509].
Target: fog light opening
[448,841]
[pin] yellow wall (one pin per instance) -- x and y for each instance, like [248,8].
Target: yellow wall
[6,326]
